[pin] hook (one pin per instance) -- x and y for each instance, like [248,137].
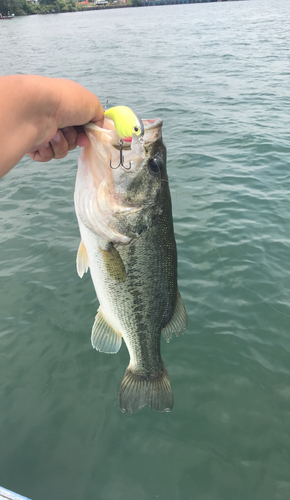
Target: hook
[121,164]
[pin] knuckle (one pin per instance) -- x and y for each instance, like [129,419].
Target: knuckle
[44,154]
[59,147]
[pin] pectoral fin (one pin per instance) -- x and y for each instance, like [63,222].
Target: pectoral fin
[178,322]
[113,262]
[104,338]
[82,260]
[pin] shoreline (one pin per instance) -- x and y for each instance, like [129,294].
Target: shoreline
[88,7]
[154,3]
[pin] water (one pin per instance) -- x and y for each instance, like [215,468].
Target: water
[218,75]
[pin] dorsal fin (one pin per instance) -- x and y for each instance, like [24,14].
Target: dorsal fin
[178,322]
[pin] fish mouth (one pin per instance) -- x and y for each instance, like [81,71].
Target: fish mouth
[152,124]
[152,131]
[118,153]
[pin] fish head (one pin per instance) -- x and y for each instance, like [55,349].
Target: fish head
[118,191]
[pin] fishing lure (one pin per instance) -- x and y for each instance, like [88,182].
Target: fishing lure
[126,122]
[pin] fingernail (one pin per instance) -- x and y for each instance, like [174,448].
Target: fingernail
[47,145]
[57,137]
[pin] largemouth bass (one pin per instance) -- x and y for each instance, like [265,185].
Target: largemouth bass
[123,207]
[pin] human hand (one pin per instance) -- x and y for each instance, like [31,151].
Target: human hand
[65,140]
[43,117]
[79,106]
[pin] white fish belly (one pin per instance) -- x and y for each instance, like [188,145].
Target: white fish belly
[99,275]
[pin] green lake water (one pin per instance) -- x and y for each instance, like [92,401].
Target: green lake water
[218,74]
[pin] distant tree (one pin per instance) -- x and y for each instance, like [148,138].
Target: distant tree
[31,8]
[12,6]
[22,7]
[46,2]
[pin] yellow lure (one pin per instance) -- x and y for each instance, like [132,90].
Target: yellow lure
[126,122]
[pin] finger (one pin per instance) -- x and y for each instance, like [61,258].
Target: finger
[100,123]
[59,145]
[43,154]
[70,134]
[77,105]
[82,140]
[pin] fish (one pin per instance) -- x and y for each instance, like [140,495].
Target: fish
[124,214]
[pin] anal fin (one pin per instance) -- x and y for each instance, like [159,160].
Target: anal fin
[178,322]
[104,338]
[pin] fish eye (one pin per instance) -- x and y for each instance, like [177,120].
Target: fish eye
[155,165]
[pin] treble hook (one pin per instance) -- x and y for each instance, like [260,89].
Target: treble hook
[121,164]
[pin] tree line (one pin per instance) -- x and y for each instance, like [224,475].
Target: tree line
[22,7]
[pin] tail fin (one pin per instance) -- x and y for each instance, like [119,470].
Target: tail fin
[137,391]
